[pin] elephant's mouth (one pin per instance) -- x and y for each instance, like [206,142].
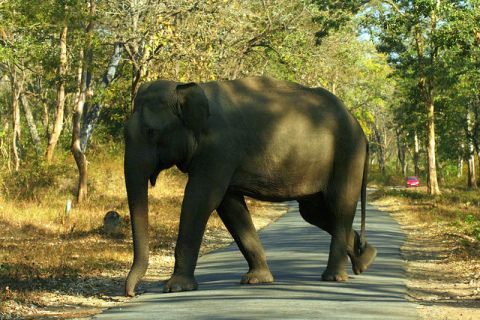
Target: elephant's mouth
[156,172]
[153,178]
[183,166]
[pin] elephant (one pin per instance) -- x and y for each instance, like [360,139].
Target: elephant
[259,137]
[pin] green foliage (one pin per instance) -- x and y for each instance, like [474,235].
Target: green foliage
[216,39]
[333,14]
[179,40]
[433,47]
[391,177]
[34,180]
[455,197]
[457,209]
[473,224]
[470,219]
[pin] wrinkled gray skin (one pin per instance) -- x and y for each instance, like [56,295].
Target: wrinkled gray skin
[259,137]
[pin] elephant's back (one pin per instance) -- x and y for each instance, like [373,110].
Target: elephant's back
[286,137]
[263,106]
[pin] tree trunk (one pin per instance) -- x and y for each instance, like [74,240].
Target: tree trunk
[60,104]
[433,188]
[32,127]
[476,125]
[380,150]
[460,167]
[138,74]
[426,85]
[83,93]
[94,112]
[46,120]
[416,154]
[16,90]
[401,153]
[43,94]
[77,152]
[472,178]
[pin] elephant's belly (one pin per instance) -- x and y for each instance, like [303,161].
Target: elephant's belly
[278,170]
[279,186]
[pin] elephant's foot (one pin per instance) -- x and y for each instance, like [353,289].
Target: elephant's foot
[257,276]
[179,283]
[334,276]
[361,261]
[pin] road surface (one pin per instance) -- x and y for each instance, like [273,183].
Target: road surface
[297,254]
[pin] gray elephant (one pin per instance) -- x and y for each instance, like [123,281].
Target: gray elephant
[259,137]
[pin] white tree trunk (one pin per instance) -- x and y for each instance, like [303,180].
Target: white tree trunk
[16,90]
[472,178]
[94,112]
[416,154]
[32,127]
[432,185]
[60,104]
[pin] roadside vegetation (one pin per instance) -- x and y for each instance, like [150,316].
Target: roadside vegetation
[456,212]
[441,250]
[58,264]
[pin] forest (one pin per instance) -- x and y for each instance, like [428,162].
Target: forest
[409,71]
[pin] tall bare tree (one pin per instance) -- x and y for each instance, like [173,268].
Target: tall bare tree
[60,102]
[16,82]
[83,93]
[32,127]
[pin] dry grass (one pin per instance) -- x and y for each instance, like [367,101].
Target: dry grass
[442,249]
[54,266]
[457,211]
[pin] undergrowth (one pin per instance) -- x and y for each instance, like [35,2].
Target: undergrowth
[41,248]
[457,208]
[44,252]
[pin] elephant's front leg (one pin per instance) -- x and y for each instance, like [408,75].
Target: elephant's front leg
[234,213]
[202,196]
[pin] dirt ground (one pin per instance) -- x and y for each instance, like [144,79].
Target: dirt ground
[441,278]
[85,296]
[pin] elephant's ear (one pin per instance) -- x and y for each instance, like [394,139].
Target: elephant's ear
[192,107]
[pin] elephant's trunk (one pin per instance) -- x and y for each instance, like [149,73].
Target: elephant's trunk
[138,204]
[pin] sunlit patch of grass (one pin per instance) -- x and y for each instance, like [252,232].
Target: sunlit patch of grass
[456,211]
[44,252]
[40,246]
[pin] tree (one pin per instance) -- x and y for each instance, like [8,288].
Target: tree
[60,104]
[409,33]
[459,85]
[334,14]
[13,65]
[32,127]
[84,81]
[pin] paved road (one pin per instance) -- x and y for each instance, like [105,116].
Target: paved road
[297,254]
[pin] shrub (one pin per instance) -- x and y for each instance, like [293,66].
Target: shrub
[33,180]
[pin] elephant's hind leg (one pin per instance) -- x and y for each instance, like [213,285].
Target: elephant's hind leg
[345,241]
[320,212]
[234,213]
[342,213]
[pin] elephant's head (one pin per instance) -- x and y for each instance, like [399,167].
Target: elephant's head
[164,130]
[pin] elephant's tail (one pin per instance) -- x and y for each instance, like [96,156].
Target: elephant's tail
[363,199]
